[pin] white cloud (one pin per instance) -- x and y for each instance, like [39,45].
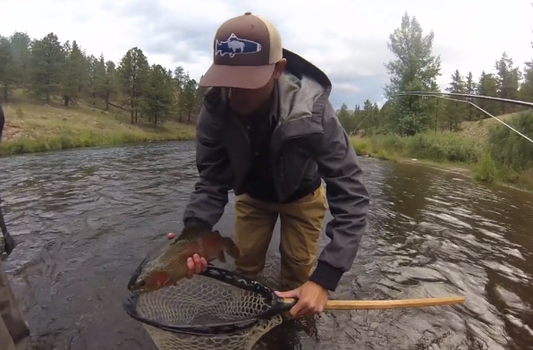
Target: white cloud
[347,87]
[347,39]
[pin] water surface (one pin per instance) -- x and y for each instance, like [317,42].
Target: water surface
[84,218]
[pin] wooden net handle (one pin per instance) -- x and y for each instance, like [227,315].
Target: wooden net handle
[387,304]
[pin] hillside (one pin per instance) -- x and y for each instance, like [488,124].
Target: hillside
[57,96]
[32,127]
[480,129]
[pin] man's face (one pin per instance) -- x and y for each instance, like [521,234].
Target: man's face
[246,101]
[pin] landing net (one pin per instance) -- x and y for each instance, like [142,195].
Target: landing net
[218,309]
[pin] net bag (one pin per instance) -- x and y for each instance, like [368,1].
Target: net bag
[215,309]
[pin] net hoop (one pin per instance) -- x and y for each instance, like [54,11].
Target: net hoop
[277,306]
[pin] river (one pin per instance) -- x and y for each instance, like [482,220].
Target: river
[84,218]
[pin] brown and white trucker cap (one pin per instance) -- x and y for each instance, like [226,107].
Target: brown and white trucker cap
[246,49]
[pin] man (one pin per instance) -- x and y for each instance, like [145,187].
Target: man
[14,331]
[268,131]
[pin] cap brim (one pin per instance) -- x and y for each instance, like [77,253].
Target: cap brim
[244,77]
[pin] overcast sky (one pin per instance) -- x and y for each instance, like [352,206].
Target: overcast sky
[347,39]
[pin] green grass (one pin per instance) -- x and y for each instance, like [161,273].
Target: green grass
[483,149]
[442,148]
[36,127]
[467,152]
[480,129]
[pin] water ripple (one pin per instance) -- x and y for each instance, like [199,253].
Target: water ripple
[84,218]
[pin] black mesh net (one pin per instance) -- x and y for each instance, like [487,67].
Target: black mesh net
[216,309]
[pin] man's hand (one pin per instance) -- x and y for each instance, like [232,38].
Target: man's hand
[312,299]
[196,265]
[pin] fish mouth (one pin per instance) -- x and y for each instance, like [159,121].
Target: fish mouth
[136,289]
[140,291]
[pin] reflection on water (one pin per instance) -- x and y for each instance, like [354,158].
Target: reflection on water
[84,218]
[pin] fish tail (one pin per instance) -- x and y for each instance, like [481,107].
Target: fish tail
[230,247]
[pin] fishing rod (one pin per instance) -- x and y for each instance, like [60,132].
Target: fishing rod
[468,96]
[468,99]
[357,127]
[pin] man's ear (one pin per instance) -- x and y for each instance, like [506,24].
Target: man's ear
[279,68]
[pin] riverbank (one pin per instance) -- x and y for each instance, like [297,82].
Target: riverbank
[35,128]
[455,152]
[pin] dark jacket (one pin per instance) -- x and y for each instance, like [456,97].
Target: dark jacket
[307,139]
[2,122]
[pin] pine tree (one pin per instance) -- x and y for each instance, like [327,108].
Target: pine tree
[75,75]
[487,86]
[455,110]
[7,69]
[46,67]
[21,51]
[133,73]
[470,88]
[508,77]
[526,88]
[160,94]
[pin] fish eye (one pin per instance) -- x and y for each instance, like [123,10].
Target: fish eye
[141,283]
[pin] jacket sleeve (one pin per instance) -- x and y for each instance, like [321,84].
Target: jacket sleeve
[347,197]
[210,195]
[2,122]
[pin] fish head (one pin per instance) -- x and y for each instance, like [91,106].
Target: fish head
[150,282]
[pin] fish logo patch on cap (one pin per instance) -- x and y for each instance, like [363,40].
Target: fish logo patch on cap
[236,46]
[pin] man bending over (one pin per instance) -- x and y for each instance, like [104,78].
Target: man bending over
[268,131]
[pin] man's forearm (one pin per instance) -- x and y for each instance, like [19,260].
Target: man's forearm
[206,204]
[345,231]
[348,202]
[210,195]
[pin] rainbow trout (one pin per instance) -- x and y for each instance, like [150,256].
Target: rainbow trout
[169,264]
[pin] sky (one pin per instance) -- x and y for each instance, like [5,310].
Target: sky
[346,39]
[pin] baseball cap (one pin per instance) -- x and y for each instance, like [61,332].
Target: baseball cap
[246,49]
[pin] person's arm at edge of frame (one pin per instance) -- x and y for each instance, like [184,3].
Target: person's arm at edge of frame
[2,122]
[348,200]
[210,195]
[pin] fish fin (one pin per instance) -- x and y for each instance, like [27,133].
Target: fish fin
[222,256]
[231,248]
